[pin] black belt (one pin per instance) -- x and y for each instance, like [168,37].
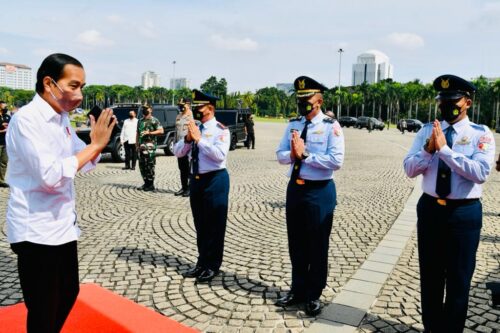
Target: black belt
[450,202]
[208,174]
[300,181]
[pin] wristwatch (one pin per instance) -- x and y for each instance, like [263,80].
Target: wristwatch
[305,155]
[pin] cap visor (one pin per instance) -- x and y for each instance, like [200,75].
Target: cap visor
[449,95]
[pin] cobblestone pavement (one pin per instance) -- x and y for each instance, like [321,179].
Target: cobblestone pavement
[137,243]
[398,307]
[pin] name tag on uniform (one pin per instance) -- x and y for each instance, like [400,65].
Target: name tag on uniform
[463,141]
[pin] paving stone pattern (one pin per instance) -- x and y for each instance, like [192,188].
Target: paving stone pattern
[138,244]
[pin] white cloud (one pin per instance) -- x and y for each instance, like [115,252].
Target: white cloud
[43,52]
[407,41]
[3,51]
[234,44]
[114,18]
[93,38]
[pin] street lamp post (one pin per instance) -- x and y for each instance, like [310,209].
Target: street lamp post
[173,81]
[339,108]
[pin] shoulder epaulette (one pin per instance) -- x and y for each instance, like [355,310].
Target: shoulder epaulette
[296,119]
[482,128]
[329,120]
[221,126]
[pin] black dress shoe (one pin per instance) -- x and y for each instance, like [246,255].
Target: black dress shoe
[149,188]
[4,185]
[313,308]
[180,192]
[193,272]
[206,276]
[185,193]
[289,299]
[126,168]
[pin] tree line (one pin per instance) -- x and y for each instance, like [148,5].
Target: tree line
[387,100]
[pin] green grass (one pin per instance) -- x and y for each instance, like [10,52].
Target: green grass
[271,120]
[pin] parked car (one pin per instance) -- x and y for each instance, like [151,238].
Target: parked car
[378,124]
[234,120]
[412,125]
[164,113]
[361,122]
[346,121]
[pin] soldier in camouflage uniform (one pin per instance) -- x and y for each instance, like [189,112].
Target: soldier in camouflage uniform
[147,130]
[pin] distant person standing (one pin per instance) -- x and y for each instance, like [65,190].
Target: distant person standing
[45,156]
[148,128]
[128,137]
[454,157]
[181,128]
[370,124]
[330,114]
[250,132]
[404,126]
[4,123]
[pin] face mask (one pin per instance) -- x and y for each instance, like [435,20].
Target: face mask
[449,111]
[131,116]
[146,113]
[304,107]
[182,108]
[197,113]
[69,100]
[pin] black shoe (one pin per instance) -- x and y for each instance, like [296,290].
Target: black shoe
[313,308]
[289,299]
[149,188]
[206,276]
[193,272]
[4,185]
[126,168]
[141,188]
[133,168]
[185,193]
[180,192]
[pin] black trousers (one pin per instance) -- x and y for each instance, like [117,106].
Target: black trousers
[183,163]
[250,140]
[448,238]
[309,218]
[130,154]
[49,281]
[209,203]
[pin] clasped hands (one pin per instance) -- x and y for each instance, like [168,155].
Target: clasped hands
[297,146]
[437,140]
[193,133]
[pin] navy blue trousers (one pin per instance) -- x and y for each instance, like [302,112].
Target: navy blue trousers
[209,202]
[448,237]
[309,218]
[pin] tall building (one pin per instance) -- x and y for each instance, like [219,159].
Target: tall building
[373,66]
[285,87]
[150,79]
[16,76]
[179,83]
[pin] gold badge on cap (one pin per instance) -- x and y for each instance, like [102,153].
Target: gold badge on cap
[193,94]
[445,84]
[302,84]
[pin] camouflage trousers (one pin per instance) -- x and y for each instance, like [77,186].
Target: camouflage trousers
[147,162]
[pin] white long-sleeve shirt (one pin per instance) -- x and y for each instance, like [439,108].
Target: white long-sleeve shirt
[41,146]
[129,131]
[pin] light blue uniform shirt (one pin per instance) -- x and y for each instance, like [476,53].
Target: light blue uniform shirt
[324,143]
[470,159]
[213,147]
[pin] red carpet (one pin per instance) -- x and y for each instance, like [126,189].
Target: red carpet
[99,310]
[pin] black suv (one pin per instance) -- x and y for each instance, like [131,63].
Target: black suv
[346,121]
[361,122]
[412,125]
[166,114]
[234,120]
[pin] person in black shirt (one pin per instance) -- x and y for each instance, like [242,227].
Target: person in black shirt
[4,121]
[249,124]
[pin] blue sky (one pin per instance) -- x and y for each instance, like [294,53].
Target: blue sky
[254,44]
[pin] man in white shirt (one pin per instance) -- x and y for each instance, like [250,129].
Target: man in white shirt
[45,155]
[128,138]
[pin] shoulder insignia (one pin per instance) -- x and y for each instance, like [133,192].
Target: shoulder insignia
[337,130]
[329,120]
[482,128]
[296,119]
[221,126]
